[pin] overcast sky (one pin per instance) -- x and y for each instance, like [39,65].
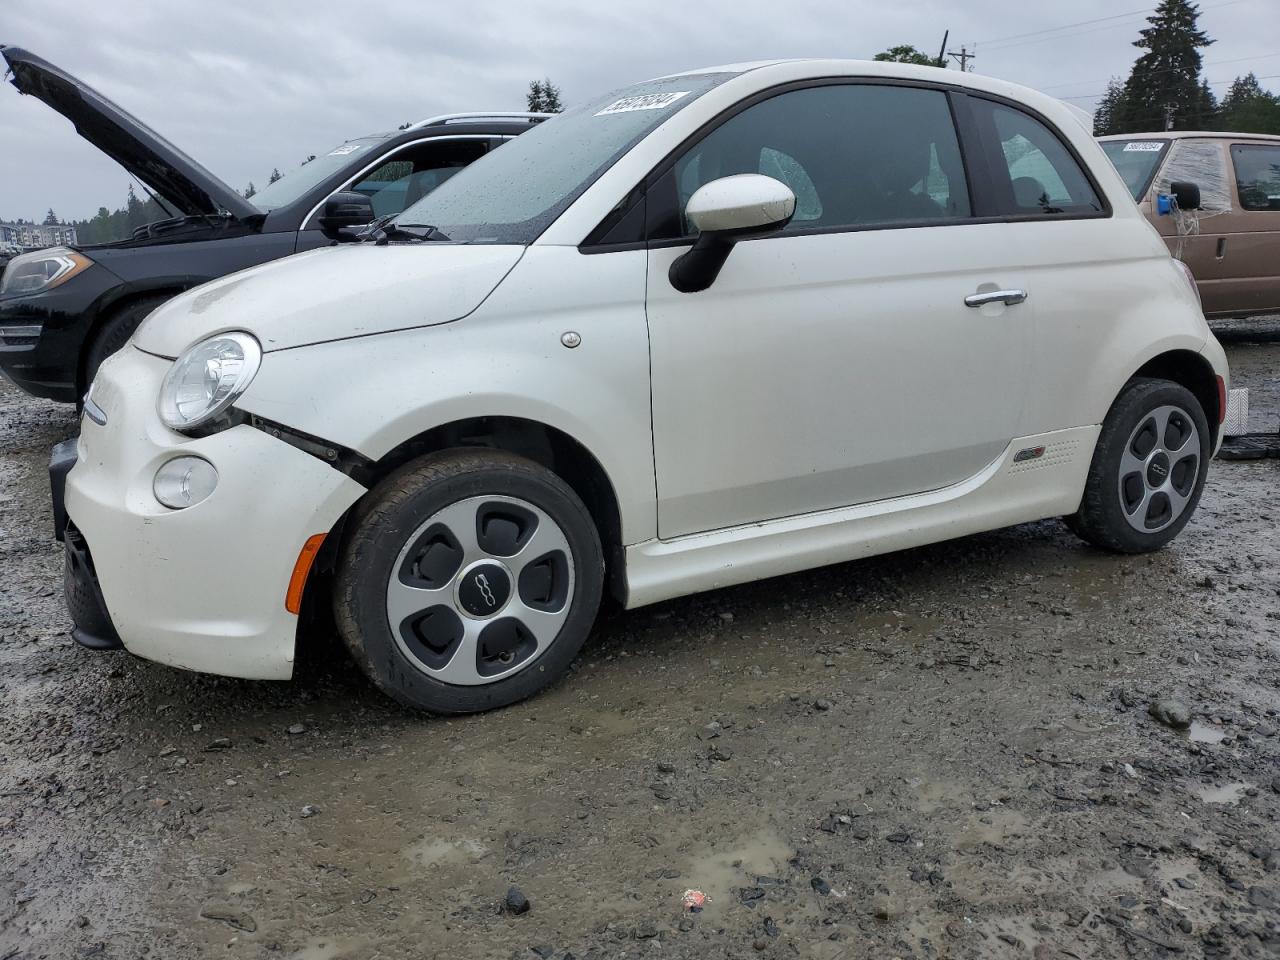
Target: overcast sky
[246,86]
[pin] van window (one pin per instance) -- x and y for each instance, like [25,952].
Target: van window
[1136,161]
[853,154]
[1035,174]
[1257,175]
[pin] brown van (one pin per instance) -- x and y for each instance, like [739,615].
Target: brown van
[1215,198]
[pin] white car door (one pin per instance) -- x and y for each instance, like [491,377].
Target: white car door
[837,362]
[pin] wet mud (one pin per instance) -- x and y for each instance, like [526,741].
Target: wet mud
[947,752]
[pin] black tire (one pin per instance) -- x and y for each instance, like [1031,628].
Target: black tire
[391,517]
[1102,519]
[115,333]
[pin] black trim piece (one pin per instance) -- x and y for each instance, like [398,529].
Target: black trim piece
[61,461]
[977,169]
[620,226]
[93,627]
[343,459]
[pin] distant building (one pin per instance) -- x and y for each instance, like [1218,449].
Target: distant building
[33,236]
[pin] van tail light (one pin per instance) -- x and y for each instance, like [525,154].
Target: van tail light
[1222,401]
[1191,282]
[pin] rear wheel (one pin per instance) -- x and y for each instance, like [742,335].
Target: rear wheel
[1148,469]
[470,580]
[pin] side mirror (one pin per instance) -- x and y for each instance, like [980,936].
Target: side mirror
[343,211]
[724,211]
[1187,194]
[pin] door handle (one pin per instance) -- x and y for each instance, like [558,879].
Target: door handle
[1009,297]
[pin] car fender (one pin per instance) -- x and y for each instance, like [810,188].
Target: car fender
[561,342]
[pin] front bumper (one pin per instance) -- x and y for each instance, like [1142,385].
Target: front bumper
[201,588]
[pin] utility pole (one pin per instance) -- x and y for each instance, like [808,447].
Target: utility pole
[942,51]
[963,57]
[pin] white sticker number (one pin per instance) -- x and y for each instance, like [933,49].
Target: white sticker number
[346,149]
[648,101]
[1143,146]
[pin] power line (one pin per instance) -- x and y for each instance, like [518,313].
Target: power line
[1207,63]
[1067,26]
[1039,36]
[1212,83]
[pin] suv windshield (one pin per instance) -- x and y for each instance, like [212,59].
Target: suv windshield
[1136,160]
[293,185]
[513,194]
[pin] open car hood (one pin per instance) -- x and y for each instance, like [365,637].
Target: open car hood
[181,182]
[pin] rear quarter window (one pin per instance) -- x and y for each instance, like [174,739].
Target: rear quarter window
[1035,174]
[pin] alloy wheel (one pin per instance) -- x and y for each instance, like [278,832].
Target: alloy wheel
[480,589]
[1159,469]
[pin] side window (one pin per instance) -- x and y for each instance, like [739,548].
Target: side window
[1257,175]
[853,154]
[1034,172]
[408,175]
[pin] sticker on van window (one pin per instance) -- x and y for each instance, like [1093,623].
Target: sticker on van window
[345,149]
[1144,146]
[648,101]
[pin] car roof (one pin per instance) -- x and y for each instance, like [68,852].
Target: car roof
[1192,134]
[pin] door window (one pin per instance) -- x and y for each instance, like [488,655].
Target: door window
[410,174]
[853,154]
[1035,174]
[1257,175]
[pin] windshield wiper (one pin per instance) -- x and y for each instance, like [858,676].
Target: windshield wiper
[382,231]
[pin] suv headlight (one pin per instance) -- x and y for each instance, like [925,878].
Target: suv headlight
[42,270]
[207,379]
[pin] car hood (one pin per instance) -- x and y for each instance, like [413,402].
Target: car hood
[181,182]
[333,293]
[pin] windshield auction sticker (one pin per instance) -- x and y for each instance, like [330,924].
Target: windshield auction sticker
[648,101]
[345,149]
[1144,146]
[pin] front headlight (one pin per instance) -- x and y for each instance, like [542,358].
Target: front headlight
[42,270]
[207,379]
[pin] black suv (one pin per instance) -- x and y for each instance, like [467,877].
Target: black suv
[64,310]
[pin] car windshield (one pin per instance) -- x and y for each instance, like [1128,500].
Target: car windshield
[513,194]
[1136,160]
[293,185]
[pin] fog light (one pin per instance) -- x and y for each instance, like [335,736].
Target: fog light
[184,482]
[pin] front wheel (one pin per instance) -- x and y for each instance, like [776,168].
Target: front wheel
[469,580]
[1148,469]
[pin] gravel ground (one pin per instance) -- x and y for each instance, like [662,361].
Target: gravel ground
[948,752]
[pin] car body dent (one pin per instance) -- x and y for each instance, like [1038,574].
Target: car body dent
[333,293]
[507,359]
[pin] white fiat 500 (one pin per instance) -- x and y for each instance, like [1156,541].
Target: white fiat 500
[706,329]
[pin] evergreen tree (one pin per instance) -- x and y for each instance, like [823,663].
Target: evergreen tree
[1247,108]
[1164,91]
[906,53]
[136,212]
[543,97]
[275,175]
[250,190]
[1106,117]
[51,218]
